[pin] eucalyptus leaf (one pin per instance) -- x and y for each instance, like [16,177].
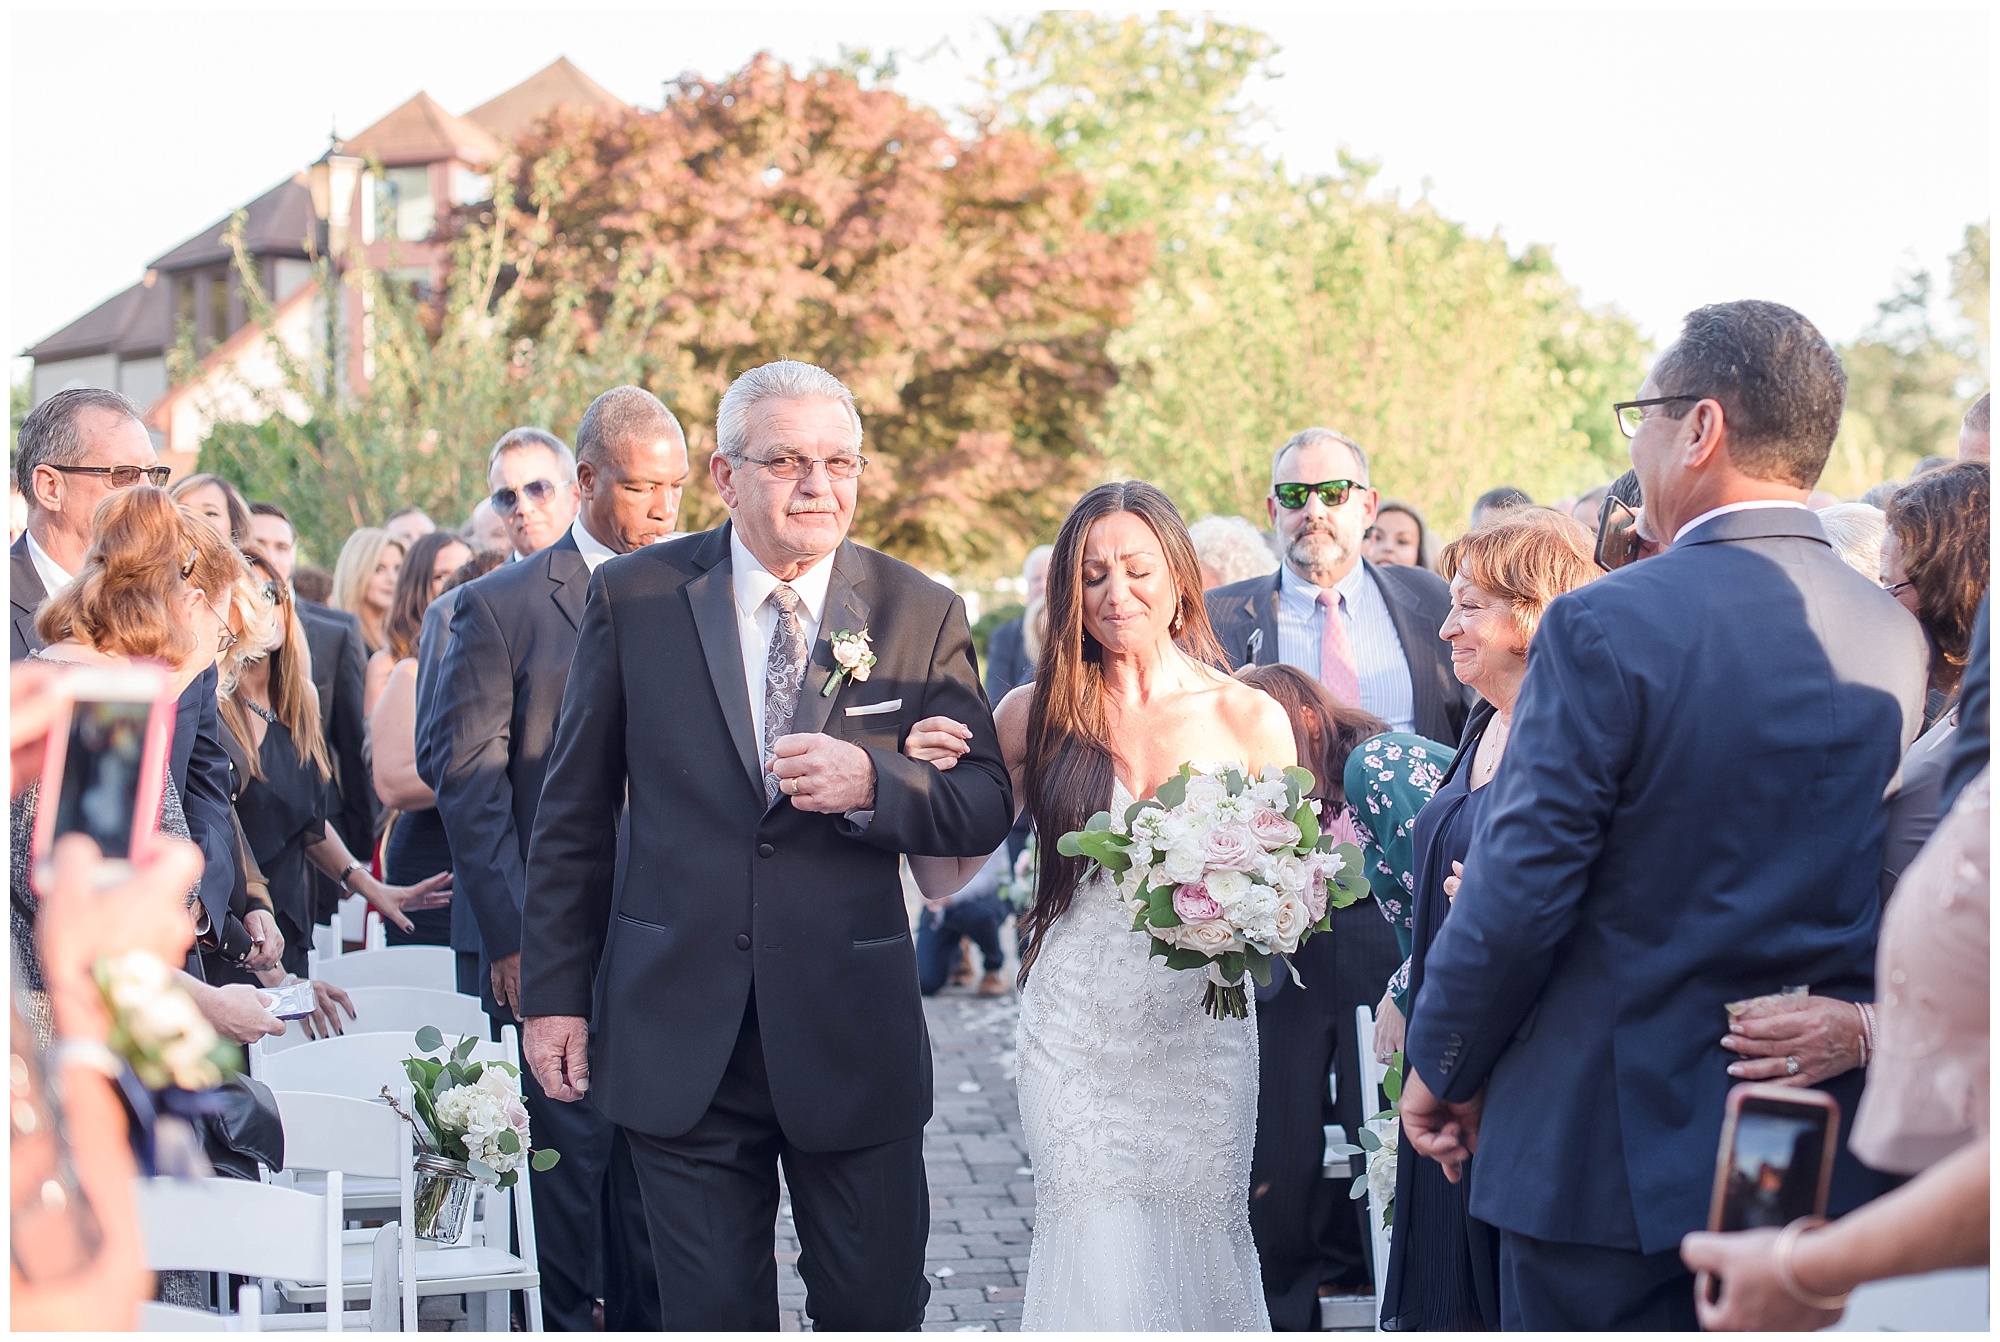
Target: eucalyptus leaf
[1308,824]
[464,1049]
[1099,823]
[1179,957]
[1260,967]
[1392,1085]
[508,1140]
[474,1072]
[1358,1189]
[544,1160]
[1162,916]
[1137,808]
[481,1170]
[430,1039]
[1299,782]
[1173,792]
[1232,966]
[1345,1150]
[509,1179]
[1234,782]
[1369,1141]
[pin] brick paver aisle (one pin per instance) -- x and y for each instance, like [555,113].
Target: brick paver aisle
[982,1197]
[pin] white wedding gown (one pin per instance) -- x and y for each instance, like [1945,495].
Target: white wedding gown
[1140,1112]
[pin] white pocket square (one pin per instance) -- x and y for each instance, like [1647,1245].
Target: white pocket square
[870,710]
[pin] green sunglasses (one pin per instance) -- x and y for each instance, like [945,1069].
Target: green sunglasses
[1333,493]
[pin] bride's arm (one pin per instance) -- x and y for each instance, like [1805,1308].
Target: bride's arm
[941,741]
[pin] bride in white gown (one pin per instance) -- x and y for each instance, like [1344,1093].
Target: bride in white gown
[1140,1111]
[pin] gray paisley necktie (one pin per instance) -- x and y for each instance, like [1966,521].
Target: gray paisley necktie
[784,675]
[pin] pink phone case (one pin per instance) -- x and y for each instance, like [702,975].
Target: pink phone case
[152,779]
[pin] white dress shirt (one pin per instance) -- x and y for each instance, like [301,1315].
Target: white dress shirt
[594,551]
[53,577]
[756,618]
[1742,507]
[1379,663]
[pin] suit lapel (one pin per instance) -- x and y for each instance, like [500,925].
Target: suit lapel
[1265,613]
[24,592]
[1419,656]
[714,603]
[845,610]
[571,577]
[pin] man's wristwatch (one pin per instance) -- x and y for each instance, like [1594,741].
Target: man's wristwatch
[346,872]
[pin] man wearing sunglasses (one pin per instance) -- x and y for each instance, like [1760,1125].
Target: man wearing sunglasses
[1369,633]
[75,449]
[486,736]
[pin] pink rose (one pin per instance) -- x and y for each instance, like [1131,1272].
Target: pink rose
[1231,848]
[1273,830]
[1315,897]
[1194,904]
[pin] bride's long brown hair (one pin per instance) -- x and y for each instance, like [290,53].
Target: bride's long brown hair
[1068,770]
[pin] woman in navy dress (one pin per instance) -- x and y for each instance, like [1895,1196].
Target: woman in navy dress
[1444,1263]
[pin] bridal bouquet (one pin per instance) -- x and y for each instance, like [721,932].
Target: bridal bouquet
[1224,873]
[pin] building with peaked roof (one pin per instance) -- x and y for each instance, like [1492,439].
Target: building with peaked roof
[422,162]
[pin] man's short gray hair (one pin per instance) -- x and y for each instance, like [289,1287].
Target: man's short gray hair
[624,415]
[1856,530]
[515,439]
[1233,548]
[1314,437]
[1042,552]
[50,437]
[787,379]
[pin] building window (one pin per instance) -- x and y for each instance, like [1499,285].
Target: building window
[404,208]
[218,307]
[469,187]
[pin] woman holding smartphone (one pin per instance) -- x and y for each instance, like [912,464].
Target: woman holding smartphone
[273,710]
[1443,1264]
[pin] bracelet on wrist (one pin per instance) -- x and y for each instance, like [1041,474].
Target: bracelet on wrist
[1781,1266]
[92,1053]
[345,873]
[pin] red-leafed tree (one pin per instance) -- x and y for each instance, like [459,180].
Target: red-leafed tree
[952,281]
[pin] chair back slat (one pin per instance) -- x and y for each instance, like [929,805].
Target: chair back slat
[251,1229]
[433,967]
[395,1007]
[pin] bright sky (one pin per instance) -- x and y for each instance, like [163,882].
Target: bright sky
[1669,159]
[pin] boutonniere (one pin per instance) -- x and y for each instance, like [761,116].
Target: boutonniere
[851,659]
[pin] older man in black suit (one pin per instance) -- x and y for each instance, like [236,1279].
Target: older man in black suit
[1370,634]
[75,448]
[488,732]
[738,987]
[1690,813]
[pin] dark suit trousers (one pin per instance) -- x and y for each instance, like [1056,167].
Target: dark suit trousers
[1547,1286]
[578,1206]
[711,1198]
[1308,1232]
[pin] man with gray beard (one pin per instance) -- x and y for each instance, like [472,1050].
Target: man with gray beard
[1369,633]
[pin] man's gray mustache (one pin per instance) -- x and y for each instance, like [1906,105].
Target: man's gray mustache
[793,510]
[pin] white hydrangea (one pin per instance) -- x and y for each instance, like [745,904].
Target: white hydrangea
[483,1110]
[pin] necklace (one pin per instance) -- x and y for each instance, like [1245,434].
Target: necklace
[1491,747]
[261,711]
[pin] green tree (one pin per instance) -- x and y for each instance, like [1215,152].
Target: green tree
[1278,301]
[1910,375]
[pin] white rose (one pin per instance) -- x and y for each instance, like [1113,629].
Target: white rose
[1211,939]
[1382,1165]
[1184,862]
[1203,791]
[1290,923]
[1290,874]
[1229,889]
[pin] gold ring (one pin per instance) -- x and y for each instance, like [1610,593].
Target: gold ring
[791,786]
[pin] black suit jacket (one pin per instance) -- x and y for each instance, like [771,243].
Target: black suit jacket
[25,594]
[432,642]
[197,762]
[1245,618]
[1007,664]
[340,671]
[491,721]
[1690,812]
[720,894]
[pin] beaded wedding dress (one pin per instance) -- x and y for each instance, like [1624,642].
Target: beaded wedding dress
[1140,1112]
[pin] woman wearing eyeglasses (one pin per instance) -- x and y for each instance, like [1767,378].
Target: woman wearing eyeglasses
[152,586]
[273,711]
[364,584]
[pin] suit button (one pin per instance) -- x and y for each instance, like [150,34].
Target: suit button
[765,850]
[742,941]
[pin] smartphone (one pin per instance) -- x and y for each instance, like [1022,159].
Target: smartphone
[106,764]
[292,1001]
[1775,1162]
[1618,540]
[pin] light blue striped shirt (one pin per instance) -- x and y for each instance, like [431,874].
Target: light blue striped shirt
[1383,670]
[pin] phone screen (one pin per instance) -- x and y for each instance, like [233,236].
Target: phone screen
[101,768]
[1618,538]
[1774,1164]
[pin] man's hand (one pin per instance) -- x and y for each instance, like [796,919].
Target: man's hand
[236,1010]
[270,948]
[1447,1133]
[1824,1035]
[939,741]
[823,773]
[558,1052]
[506,973]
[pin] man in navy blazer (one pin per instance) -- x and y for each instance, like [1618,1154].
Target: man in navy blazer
[1690,813]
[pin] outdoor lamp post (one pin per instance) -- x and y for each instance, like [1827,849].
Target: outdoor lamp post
[331,179]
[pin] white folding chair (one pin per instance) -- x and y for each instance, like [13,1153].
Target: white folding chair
[395,966]
[394,1009]
[253,1230]
[356,1139]
[155,1317]
[1372,1101]
[484,1272]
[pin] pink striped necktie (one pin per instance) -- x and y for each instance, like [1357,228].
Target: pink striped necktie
[1336,655]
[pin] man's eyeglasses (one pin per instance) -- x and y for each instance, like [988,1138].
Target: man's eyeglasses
[1896,587]
[796,466]
[1332,493]
[120,477]
[1631,414]
[538,492]
[187,569]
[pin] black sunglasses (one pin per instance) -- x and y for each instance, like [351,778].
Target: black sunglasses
[506,501]
[1333,493]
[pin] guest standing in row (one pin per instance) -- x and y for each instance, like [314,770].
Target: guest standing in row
[364,581]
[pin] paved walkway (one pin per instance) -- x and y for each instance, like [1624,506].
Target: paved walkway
[982,1196]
